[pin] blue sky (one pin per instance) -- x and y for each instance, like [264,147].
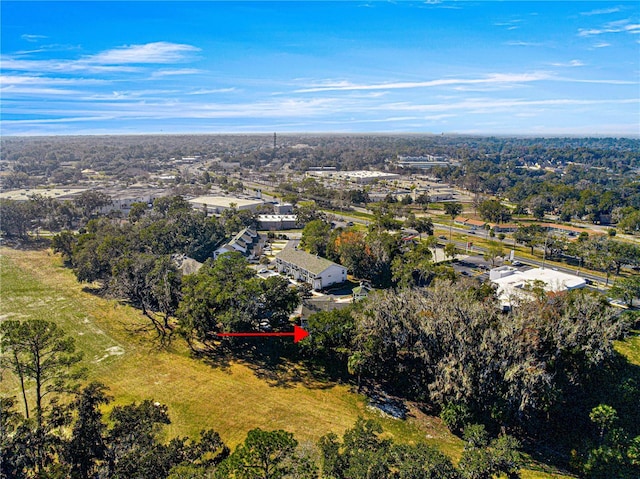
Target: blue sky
[527,68]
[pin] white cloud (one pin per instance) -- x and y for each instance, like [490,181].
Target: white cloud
[127,59]
[32,38]
[18,90]
[487,105]
[602,11]
[212,91]
[157,52]
[38,80]
[175,72]
[520,43]
[61,66]
[130,95]
[596,81]
[572,63]
[494,78]
[510,25]
[619,26]
[602,45]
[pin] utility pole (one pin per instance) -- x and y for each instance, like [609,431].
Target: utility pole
[544,252]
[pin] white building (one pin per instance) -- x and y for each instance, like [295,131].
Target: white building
[217,204]
[515,286]
[360,177]
[123,199]
[277,222]
[318,272]
[248,243]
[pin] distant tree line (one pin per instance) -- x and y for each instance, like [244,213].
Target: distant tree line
[38,212]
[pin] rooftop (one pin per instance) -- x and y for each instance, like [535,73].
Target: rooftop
[24,194]
[514,284]
[367,174]
[277,217]
[309,262]
[224,201]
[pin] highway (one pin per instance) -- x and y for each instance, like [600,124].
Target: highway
[444,231]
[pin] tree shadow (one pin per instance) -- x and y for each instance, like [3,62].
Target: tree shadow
[616,385]
[214,357]
[94,290]
[273,360]
[29,244]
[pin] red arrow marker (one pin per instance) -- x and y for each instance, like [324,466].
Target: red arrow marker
[298,334]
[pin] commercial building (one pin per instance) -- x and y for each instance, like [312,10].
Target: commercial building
[422,162]
[277,222]
[361,177]
[318,272]
[217,204]
[479,224]
[283,208]
[514,286]
[469,223]
[25,194]
[123,198]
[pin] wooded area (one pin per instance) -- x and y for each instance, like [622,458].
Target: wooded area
[541,381]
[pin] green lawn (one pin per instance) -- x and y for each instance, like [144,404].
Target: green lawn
[630,347]
[230,398]
[351,214]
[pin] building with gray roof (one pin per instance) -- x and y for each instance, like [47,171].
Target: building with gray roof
[318,272]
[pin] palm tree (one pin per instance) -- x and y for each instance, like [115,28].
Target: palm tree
[453,210]
[355,364]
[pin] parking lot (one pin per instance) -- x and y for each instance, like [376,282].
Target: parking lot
[477,267]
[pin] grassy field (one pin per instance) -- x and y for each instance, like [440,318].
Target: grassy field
[231,398]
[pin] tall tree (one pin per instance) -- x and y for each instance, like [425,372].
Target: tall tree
[493,210]
[91,202]
[453,210]
[315,237]
[423,225]
[87,444]
[530,236]
[627,289]
[262,455]
[494,250]
[39,351]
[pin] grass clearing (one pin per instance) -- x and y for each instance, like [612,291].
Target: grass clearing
[630,347]
[351,214]
[230,398]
